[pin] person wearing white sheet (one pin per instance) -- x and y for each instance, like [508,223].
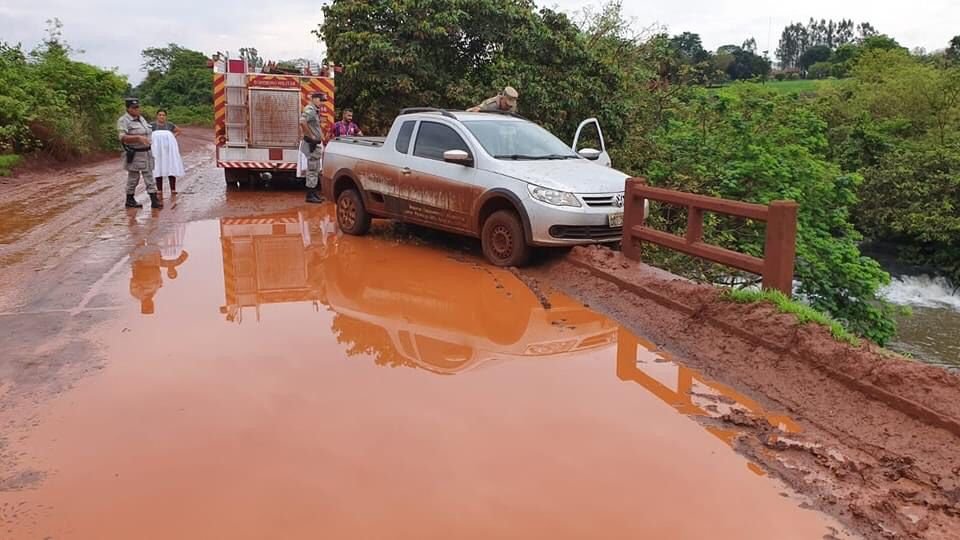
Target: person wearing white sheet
[166,152]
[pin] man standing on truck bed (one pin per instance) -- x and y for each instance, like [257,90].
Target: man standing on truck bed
[134,133]
[312,145]
[505,101]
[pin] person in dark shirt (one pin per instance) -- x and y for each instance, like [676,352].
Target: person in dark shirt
[161,124]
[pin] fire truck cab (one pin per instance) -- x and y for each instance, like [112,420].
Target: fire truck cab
[256,117]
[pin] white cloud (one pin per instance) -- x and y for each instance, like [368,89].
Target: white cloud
[113,33]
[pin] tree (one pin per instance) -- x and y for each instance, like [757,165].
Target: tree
[453,54]
[251,56]
[817,53]
[689,48]
[750,45]
[747,65]
[175,76]
[865,31]
[820,70]
[953,51]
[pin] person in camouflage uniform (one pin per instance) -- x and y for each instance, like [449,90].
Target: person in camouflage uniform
[134,133]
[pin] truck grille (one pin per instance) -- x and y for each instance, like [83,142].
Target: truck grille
[586,232]
[610,200]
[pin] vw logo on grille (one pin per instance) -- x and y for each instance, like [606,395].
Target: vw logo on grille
[618,200]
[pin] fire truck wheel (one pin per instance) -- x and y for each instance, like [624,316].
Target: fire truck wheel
[352,216]
[235,177]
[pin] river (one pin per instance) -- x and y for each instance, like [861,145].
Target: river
[931,332]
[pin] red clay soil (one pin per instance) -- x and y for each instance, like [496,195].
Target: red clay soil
[880,441]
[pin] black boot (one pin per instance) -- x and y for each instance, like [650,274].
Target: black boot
[313,196]
[132,203]
[155,201]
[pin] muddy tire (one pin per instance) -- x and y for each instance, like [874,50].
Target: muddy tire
[352,216]
[503,241]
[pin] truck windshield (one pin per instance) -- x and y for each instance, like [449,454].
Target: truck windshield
[517,140]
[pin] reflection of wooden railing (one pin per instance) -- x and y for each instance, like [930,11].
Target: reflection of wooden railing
[681,399]
[776,266]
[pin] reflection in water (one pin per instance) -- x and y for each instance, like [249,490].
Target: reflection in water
[401,305]
[146,262]
[685,389]
[405,306]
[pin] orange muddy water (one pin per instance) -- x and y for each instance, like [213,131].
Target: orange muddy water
[267,377]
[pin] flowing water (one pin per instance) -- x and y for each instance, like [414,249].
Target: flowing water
[932,330]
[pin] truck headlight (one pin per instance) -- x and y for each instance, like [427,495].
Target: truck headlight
[553,197]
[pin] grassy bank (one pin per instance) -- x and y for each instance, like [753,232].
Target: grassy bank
[8,162]
[803,313]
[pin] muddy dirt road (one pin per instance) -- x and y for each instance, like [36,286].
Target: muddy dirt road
[234,367]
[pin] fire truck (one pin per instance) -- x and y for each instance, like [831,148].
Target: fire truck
[256,117]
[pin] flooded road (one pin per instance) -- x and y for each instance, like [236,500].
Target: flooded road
[263,376]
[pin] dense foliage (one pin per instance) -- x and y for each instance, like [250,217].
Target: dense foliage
[179,80]
[52,103]
[897,122]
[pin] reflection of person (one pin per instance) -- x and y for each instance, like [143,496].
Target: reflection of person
[312,145]
[505,101]
[146,279]
[166,152]
[171,250]
[134,133]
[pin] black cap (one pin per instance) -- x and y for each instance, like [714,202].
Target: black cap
[132,102]
[321,95]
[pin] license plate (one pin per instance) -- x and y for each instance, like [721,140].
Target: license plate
[615,220]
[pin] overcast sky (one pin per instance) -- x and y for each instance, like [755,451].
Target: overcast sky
[113,33]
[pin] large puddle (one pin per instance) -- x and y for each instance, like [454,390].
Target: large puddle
[268,377]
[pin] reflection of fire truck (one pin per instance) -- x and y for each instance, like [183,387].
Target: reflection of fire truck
[256,117]
[265,261]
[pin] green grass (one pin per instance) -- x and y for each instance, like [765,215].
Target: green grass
[803,313]
[802,86]
[8,162]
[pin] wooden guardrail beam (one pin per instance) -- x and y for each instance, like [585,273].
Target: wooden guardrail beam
[779,253]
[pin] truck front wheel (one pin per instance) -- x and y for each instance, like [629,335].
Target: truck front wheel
[503,241]
[352,216]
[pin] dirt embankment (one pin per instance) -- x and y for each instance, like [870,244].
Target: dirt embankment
[880,440]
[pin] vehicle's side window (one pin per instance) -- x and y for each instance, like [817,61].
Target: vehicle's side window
[403,137]
[434,139]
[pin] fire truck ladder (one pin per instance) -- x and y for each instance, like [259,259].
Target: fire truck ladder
[236,108]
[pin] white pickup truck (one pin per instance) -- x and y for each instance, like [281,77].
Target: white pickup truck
[494,176]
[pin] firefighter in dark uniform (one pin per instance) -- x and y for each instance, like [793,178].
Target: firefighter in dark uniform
[134,133]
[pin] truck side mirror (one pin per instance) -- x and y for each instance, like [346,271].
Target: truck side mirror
[457,156]
[590,153]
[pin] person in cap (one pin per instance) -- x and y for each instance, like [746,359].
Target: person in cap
[134,133]
[505,101]
[312,145]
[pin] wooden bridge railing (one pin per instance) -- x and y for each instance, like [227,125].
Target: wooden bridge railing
[779,251]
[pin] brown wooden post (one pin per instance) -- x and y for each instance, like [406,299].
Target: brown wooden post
[781,246]
[633,215]
[694,225]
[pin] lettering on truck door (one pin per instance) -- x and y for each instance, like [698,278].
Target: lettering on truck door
[384,179]
[436,192]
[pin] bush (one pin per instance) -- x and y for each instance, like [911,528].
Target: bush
[182,115]
[56,105]
[820,70]
[8,162]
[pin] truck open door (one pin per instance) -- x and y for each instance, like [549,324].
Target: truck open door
[589,143]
